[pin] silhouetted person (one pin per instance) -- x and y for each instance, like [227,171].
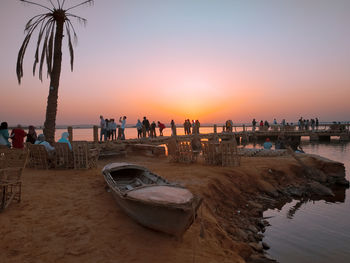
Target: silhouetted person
[4,135]
[31,135]
[161,127]
[18,135]
[146,123]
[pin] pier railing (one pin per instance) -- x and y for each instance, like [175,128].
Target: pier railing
[248,132]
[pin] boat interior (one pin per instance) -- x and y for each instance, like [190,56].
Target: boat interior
[130,178]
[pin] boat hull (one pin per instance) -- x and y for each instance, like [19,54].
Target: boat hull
[169,218]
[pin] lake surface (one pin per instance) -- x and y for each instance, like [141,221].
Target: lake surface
[86,134]
[313,231]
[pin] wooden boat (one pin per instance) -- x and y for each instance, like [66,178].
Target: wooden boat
[150,199]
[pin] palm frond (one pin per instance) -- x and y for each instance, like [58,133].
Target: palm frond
[22,50]
[50,50]
[43,53]
[75,34]
[81,20]
[19,64]
[70,46]
[41,32]
[53,6]
[30,23]
[58,3]
[88,2]
[33,3]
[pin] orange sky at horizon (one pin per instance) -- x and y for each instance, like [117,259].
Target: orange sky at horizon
[188,59]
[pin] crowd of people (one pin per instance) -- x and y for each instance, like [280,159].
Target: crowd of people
[18,136]
[302,124]
[191,127]
[306,124]
[108,128]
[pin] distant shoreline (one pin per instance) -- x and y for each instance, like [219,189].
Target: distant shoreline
[205,125]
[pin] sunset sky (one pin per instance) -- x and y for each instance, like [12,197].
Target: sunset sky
[210,60]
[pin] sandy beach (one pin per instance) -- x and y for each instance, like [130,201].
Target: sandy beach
[69,216]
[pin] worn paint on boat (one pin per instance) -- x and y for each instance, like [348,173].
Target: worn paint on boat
[150,199]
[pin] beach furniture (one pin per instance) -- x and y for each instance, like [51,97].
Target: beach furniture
[83,156]
[186,154]
[229,153]
[222,153]
[12,163]
[64,156]
[181,151]
[38,156]
[150,199]
[211,154]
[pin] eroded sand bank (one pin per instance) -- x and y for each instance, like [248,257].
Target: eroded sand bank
[68,216]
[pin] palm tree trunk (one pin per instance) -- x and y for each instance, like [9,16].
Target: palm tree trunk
[51,107]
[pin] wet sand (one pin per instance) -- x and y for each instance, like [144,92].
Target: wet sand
[68,216]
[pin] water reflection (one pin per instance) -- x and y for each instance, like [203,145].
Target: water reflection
[339,197]
[313,229]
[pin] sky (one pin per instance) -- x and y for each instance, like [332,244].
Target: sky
[210,60]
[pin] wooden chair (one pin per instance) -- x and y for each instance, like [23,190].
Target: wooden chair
[210,152]
[185,152]
[13,162]
[80,154]
[83,156]
[38,156]
[229,153]
[64,156]
[94,154]
[14,157]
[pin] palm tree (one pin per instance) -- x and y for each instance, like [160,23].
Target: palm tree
[51,26]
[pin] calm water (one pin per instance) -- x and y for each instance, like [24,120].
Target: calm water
[313,231]
[130,133]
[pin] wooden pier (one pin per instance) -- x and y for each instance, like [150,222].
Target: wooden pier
[245,133]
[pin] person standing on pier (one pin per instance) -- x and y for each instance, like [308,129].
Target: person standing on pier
[146,123]
[161,127]
[266,124]
[254,124]
[139,129]
[153,130]
[313,124]
[113,129]
[173,128]
[122,127]
[197,125]
[316,123]
[103,128]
